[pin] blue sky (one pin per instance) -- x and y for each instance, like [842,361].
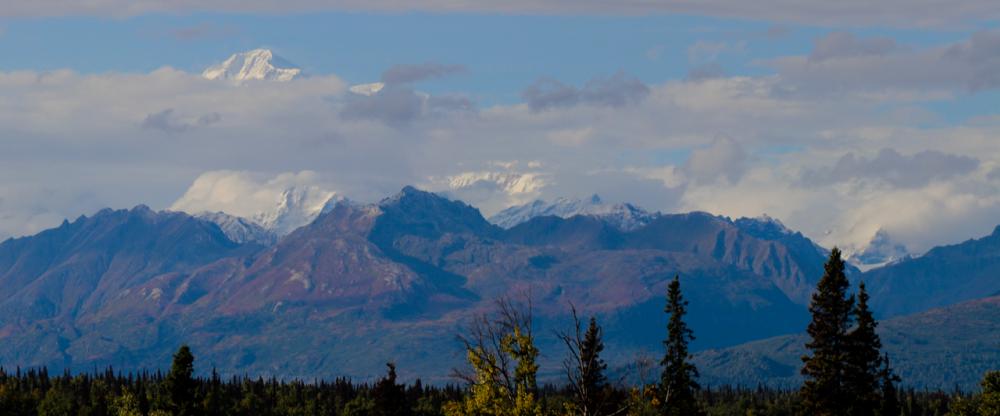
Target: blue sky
[501,52]
[839,118]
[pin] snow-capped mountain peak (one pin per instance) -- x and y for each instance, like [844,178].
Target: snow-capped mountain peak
[257,64]
[294,208]
[764,225]
[624,216]
[880,250]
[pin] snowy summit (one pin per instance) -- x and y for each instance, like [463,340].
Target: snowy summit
[257,65]
[880,250]
[623,216]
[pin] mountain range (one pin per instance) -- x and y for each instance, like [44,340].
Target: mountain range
[359,284]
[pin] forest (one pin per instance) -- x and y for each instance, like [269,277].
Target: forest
[846,373]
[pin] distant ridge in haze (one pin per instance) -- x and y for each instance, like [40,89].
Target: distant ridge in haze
[943,276]
[937,349]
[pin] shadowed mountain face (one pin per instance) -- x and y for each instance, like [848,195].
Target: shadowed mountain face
[396,280]
[937,349]
[945,275]
[79,268]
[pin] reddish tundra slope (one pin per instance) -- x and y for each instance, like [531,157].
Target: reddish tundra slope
[396,280]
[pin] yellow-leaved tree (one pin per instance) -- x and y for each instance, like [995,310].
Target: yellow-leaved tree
[501,351]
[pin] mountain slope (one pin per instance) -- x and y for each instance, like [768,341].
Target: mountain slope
[396,280]
[72,269]
[238,229]
[941,348]
[943,276]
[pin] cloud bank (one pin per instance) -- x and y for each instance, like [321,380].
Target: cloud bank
[837,161]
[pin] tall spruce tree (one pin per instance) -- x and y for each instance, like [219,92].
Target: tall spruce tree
[180,383]
[677,383]
[824,392]
[592,368]
[864,360]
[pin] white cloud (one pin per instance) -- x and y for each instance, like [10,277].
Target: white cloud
[842,63]
[903,171]
[491,191]
[724,158]
[729,145]
[247,194]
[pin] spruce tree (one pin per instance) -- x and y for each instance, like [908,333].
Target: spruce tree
[824,393]
[889,405]
[585,368]
[592,368]
[864,360]
[389,397]
[180,383]
[677,383]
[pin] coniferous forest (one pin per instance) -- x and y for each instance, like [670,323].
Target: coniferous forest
[846,374]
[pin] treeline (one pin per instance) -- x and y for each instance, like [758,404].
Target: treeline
[846,374]
[33,392]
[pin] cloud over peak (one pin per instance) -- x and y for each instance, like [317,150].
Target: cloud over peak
[894,168]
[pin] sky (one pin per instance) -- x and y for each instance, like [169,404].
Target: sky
[838,118]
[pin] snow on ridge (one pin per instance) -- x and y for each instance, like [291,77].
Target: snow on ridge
[510,183]
[257,65]
[239,229]
[624,216]
[367,90]
[296,206]
[881,250]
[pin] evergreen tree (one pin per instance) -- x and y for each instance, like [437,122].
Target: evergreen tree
[864,360]
[677,383]
[180,383]
[389,398]
[824,392]
[592,368]
[890,396]
[585,368]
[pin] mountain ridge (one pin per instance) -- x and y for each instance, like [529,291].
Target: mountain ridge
[941,348]
[362,283]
